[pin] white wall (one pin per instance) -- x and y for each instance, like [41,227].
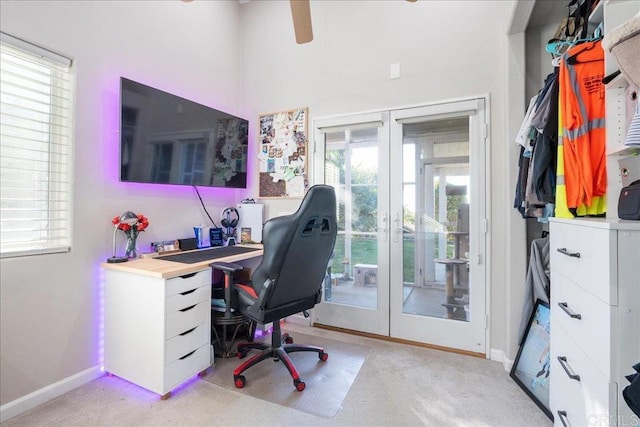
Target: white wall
[49,304]
[241,59]
[446,49]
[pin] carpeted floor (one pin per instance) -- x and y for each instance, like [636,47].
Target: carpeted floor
[397,385]
[327,383]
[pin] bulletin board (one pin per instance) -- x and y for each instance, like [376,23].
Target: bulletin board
[282,157]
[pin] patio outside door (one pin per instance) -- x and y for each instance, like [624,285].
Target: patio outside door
[409,259]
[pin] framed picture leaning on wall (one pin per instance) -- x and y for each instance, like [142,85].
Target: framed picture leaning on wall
[531,368]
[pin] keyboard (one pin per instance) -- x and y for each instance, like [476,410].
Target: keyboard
[208,254]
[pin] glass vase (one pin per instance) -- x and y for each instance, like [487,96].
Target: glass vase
[131,250]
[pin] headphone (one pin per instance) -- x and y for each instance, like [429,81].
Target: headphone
[229,217]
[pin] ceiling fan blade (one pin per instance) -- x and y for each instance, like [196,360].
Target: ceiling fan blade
[301,13]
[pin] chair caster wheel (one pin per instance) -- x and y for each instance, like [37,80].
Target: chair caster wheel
[299,384]
[323,356]
[240,381]
[288,340]
[241,354]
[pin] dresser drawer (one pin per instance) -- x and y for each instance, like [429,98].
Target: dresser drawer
[587,256]
[590,398]
[585,318]
[187,318]
[187,282]
[188,298]
[185,342]
[187,365]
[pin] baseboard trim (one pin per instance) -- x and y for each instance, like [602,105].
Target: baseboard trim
[499,356]
[400,340]
[45,394]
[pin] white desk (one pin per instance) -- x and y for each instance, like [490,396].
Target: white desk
[157,320]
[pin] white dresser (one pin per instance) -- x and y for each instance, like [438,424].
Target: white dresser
[595,319]
[157,329]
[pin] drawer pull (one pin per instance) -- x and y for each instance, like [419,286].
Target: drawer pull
[188,354]
[188,308]
[186,276]
[563,415]
[564,251]
[563,363]
[188,292]
[187,332]
[565,307]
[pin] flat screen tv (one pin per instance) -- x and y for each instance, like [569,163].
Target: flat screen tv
[166,139]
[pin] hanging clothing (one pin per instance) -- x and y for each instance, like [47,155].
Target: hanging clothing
[545,101]
[538,136]
[544,172]
[562,210]
[537,281]
[583,123]
[522,137]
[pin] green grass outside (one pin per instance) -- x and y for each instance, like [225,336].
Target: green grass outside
[364,251]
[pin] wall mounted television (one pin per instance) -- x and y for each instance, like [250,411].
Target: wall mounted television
[166,139]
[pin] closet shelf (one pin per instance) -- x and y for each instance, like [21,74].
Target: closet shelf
[625,151]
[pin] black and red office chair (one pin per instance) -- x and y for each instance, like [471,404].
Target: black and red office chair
[289,279]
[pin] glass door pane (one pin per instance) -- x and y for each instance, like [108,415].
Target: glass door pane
[355,153]
[351,166]
[437,201]
[436,187]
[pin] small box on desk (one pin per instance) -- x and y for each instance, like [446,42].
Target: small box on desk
[188,244]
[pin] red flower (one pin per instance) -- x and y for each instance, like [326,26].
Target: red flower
[141,224]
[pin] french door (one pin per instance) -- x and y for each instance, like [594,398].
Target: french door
[409,259]
[354,152]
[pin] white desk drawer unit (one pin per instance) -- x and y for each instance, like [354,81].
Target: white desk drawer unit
[595,313]
[157,331]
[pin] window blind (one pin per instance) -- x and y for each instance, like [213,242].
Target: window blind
[35,149]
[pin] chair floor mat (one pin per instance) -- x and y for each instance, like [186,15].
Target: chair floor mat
[327,383]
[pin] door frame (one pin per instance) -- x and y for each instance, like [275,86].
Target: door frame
[373,321]
[474,334]
[317,168]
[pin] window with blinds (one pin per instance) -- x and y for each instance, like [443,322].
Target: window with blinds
[36,111]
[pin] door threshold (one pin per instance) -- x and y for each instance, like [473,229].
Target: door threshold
[400,341]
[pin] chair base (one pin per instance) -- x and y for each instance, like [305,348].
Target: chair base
[281,345]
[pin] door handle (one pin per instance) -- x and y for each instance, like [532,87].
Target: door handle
[385,226]
[398,227]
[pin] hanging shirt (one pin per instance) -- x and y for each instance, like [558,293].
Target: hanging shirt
[583,112]
[598,205]
[522,137]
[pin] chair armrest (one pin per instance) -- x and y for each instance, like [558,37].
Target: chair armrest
[227,267]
